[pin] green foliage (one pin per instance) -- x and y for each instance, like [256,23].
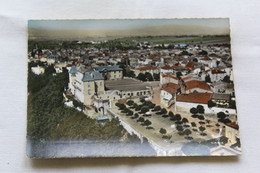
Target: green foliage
[193,124]
[185,120]
[187,132]
[193,110]
[221,115]
[211,104]
[203,52]
[200,109]
[141,119]
[226,79]
[156,76]
[163,111]
[147,122]
[157,108]
[162,131]
[144,109]
[130,74]
[179,128]
[208,79]
[202,128]
[130,102]
[171,115]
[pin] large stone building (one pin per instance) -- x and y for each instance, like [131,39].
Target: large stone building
[110,72]
[85,85]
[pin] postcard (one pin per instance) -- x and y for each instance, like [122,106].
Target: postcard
[131,88]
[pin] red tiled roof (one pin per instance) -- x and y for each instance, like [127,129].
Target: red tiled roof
[179,59]
[123,52]
[187,77]
[233,125]
[217,71]
[146,68]
[196,84]
[170,76]
[170,87]
[194,98]
[167,67]
[154,55]
[190,65]
[69,65]
[206,58]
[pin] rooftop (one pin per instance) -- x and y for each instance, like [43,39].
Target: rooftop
[197,84]
[91,76]
[146,68]
[221,96]
[170,87]
[126,85]
[108,68]
[194,98]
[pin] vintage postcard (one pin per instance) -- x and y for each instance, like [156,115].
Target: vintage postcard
[131,88]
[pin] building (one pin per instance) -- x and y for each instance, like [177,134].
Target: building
[110,72]
[185,102]
[38,70]
[221,99]
[144,69]
[196,86]
[231,132]
[85,85]
[168,93]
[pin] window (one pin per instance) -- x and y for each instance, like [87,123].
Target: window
[101,83]
[88,85]
[89,91]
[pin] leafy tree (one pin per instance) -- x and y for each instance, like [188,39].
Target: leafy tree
[200,109]
[130,73]
[211,104]
[193,110]
[147,122]
[157,108]
[203,52]
[223,140]
[201,117]
[195,60]
[187,132]
[141,77]
[163,111]
[208,79]
[141,119]
[221,115]
[178,117]
[179,128]
[202,128]
[193,124]
[156,76]
[144,109]
[178,74]
[130,102]
[185,120]
[130,113]
[136,115]
[148,76]
[163,131]
[226,79]
[171,114]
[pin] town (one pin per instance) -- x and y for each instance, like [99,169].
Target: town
[175,94]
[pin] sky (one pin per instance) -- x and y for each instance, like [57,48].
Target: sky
[119,24]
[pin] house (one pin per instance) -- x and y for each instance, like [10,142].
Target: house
[196,86]
[221,99]
[223,87]
[84,85]
[110,72]
[211,63]
[168,93]
[185,102]
[231,132]
[165,78]
[144,69]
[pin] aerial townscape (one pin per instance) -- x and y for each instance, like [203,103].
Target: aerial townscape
[132,96]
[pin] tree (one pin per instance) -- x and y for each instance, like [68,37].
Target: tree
[193,110]
[208,79]
[178,117]
[226,79]
[185,120]
[195,60]
[201,117]
[187,132]
[202,128]
[156,76]
[157,108]
[203,52]
[163,111]
[141,77]
[147,123]
[136,115]
[163,131]
[130,74]
[144,109]
[193,124]
[221,115]
[130,102]
[211,104]
[171,115]
[141,119]
[179,128]
[130,113]
[178,74]
[200,109]
[148,76]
